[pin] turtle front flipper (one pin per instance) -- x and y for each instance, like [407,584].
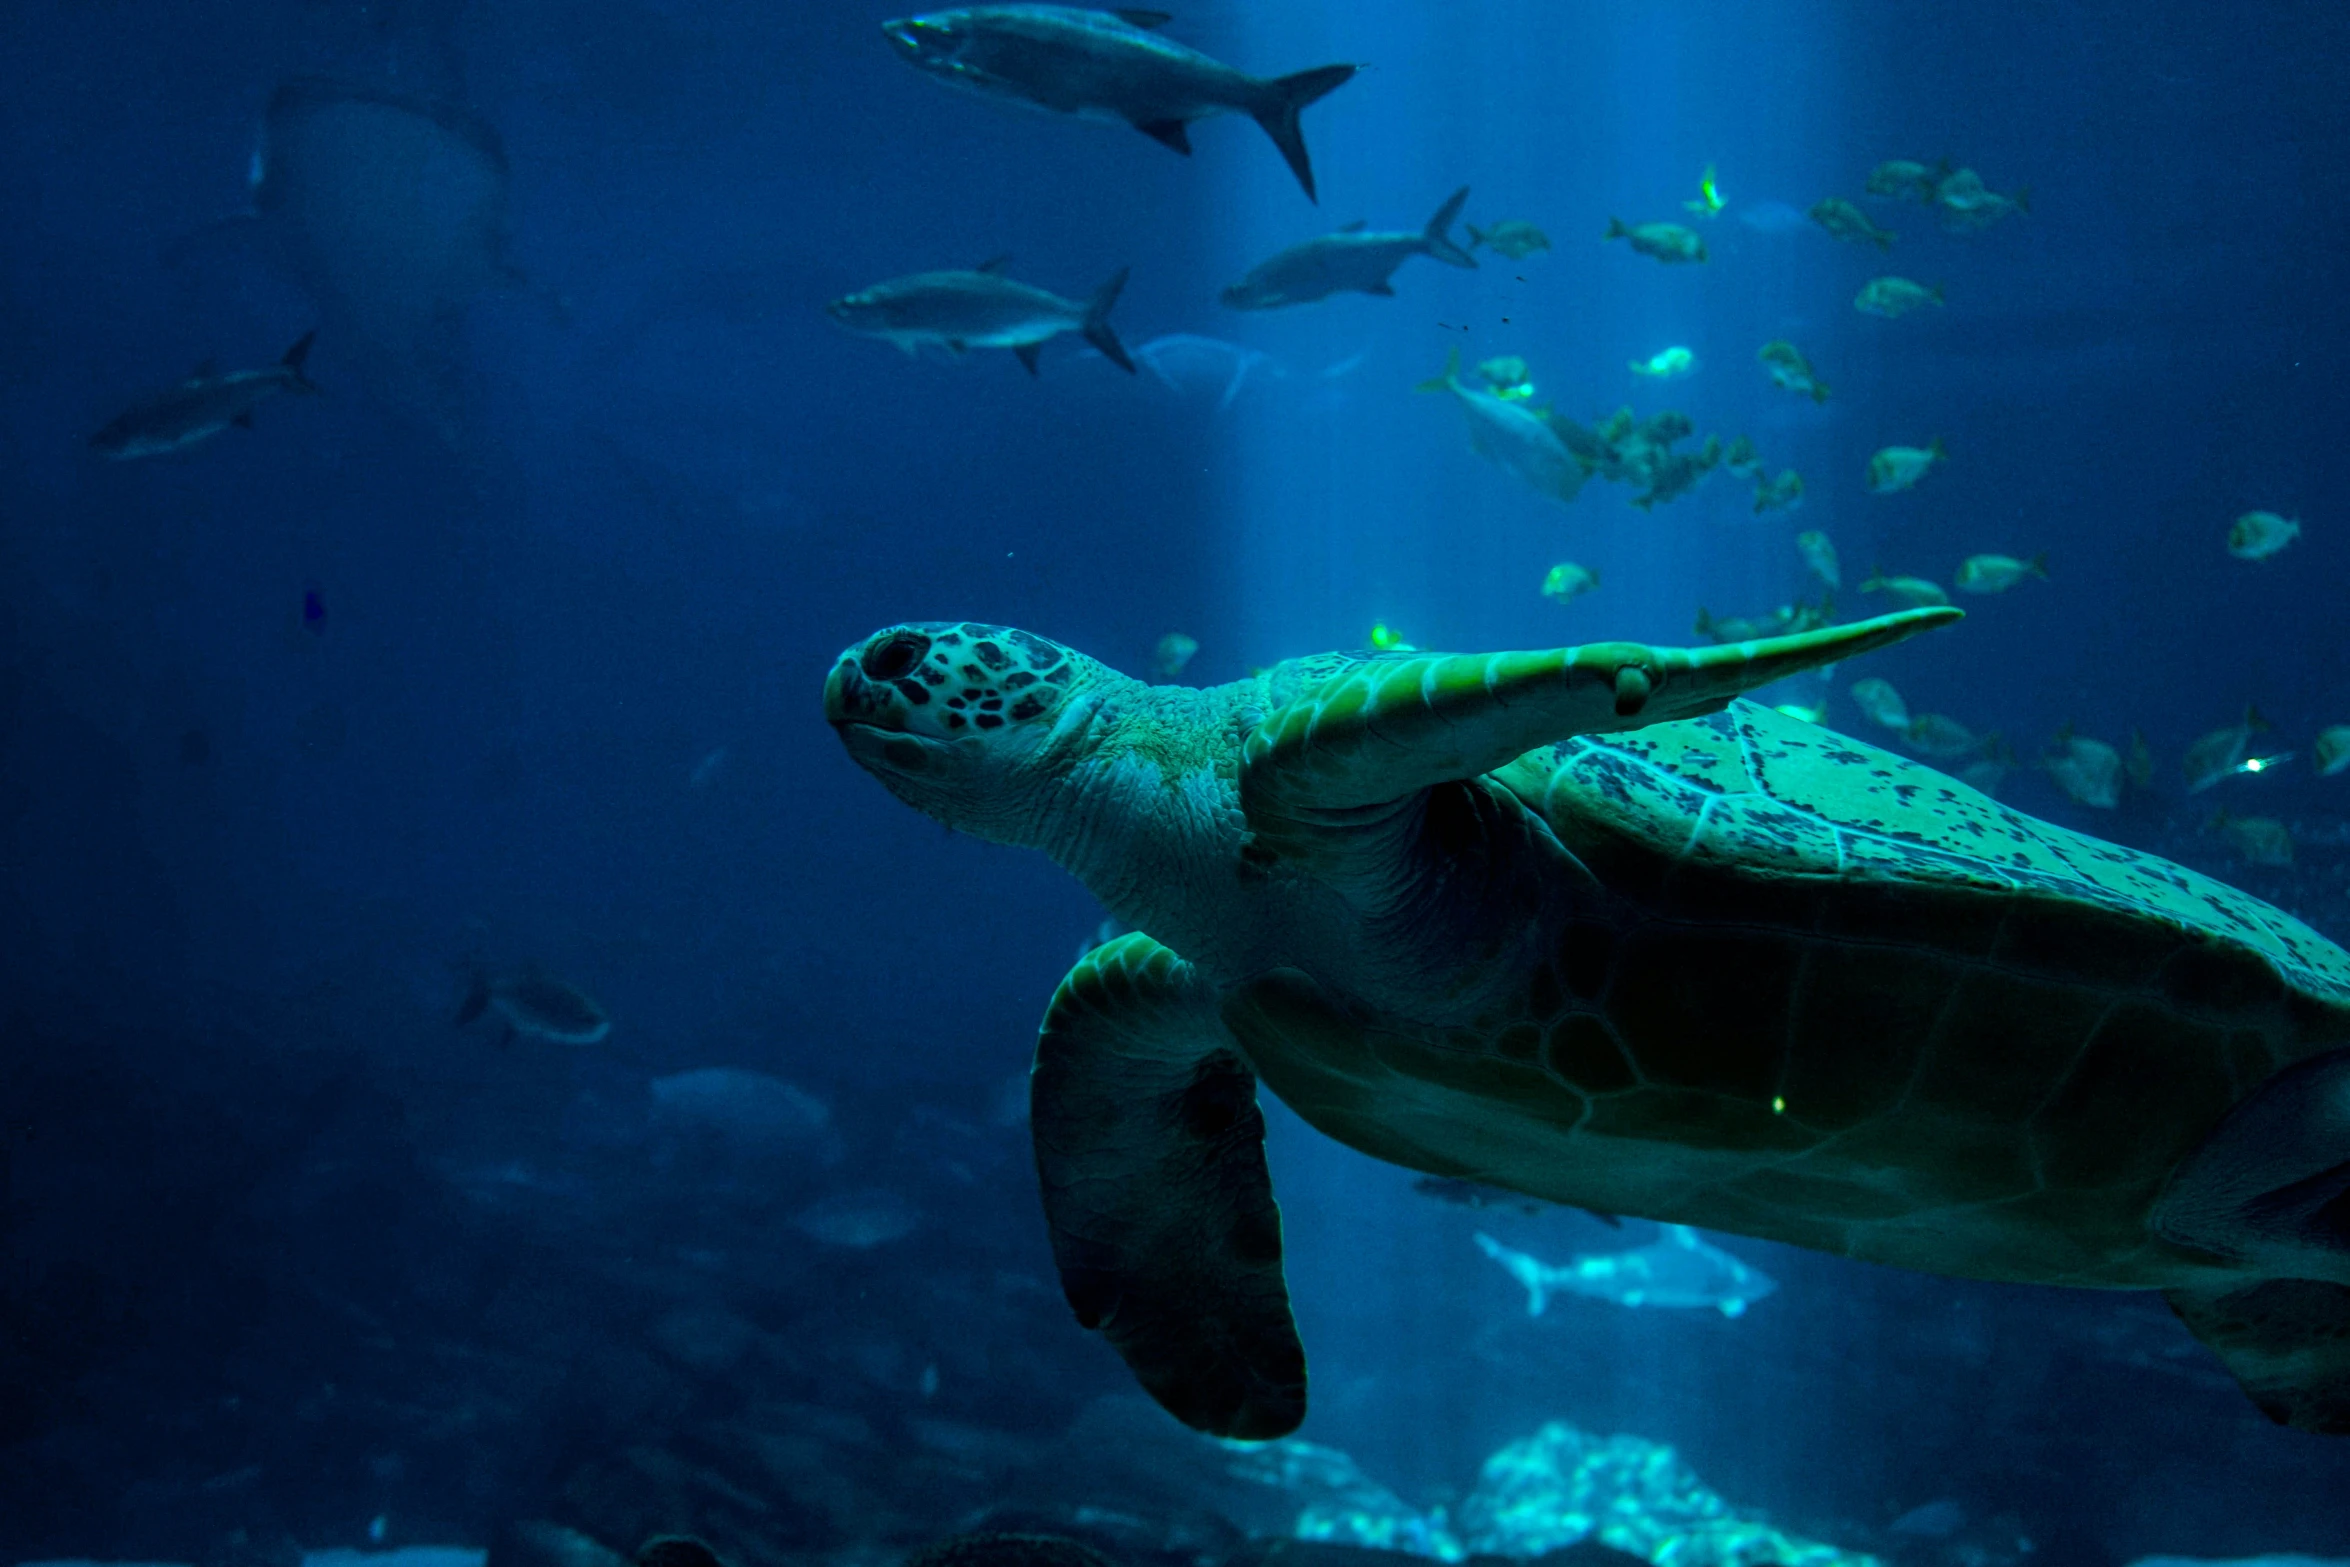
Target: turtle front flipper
[1382,728]
[1151,1152]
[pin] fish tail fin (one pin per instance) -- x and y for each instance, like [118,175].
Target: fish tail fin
[1616,229]
[1819,390]
[1286,96]
[1938,299]
[1476,235]
[1437,238]
[2038,566]
[1452,371]
[291,360]
[1941,454]
[2023,200]
[477,999]
[1885,239]
[1096,325]
[2253,721]
[1705,622]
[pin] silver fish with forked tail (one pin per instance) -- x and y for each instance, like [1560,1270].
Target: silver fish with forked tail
[980,308]
[1356,259]
[1108,65]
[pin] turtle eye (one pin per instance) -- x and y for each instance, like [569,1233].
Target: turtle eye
[894,656]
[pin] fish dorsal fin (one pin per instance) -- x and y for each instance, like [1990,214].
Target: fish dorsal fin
[994,266]
[1366,731]
[1356,227]
[1167,133]
[1148,21]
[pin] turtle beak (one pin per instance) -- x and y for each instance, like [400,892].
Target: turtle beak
[852,700]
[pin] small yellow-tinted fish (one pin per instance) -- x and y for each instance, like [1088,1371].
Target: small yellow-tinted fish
[1809,712]
[1173,652]
[2330,753]
[1512,237]
[1666,363]
[2138,766]
[1938,736]
[1819,554]
[2259,534]
[1998,573]
[2258,840]
[1985,774]
[1666,242]
[1506,374]
[1908,592]
[1791,370]
[1896,468]
[1894,297]
[1783,493]
[2090,771]
[1708,203]
[1786,620]
[1907,180]
[1386,639]
[1845,221]
[1880,703]
[1968,205]
[1567,581]
[2220,753]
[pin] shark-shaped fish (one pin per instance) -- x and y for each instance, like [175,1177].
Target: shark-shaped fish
[1356,258]
[980,308]
[1677,1271]
[1108,65]
[200,407]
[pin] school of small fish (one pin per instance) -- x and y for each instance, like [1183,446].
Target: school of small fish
[1120,66]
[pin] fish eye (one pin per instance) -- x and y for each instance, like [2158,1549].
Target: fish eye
[894,656]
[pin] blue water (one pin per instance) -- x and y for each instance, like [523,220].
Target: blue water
[504,652]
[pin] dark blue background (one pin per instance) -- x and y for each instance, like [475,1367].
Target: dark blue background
[250,1281]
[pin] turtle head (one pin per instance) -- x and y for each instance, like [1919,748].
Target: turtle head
[974,725]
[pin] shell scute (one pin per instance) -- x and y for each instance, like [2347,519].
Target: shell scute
[1582,1052]
[1861,1016]
[1706,1008]
[1991,1051]
[1705,1122]
[1974,1159]
[2123,1125]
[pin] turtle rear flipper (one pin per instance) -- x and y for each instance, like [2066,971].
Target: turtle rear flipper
[2271,1189]
[1150,1150]
[2286,1342]
[1380,729]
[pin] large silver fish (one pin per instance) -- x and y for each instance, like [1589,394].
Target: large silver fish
[980,308]
[200,407]
[1108,65]
[1354,259]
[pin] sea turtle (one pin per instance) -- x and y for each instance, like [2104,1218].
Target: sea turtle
[1583,925]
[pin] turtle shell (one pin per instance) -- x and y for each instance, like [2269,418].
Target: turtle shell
[1793,986]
